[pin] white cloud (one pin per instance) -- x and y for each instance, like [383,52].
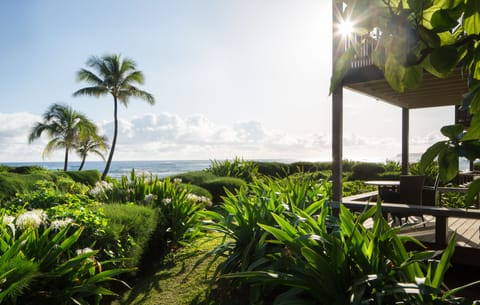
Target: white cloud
[169,136]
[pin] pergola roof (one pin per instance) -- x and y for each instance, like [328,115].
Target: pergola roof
[433,91]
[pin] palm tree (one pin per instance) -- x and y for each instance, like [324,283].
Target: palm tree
[91,144]
[116,77]
[64,126]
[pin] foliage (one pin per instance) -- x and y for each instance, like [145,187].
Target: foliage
[244,244]
[272,169]
[195,177]
[87,177]
[177,206]
[91,143]
[128,232]
[218,187]
[355,187]
[64,126]
[365,171]
[236,168]
[44,266]
[416,36]
[116,77]
[392,166]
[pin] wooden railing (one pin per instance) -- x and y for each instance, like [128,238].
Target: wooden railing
[364,45]
[441,214]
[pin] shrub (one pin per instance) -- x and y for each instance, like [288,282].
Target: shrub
[273,169]
[217,186]
[244,244]
[195,189]
[237,168]
[87,177]
[128,232]
[365,171]
[46,266]
[30,169]
[196,177]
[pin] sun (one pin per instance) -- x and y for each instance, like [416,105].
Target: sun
[346,27]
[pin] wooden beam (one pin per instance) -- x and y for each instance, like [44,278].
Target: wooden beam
[405,136]
[337,108]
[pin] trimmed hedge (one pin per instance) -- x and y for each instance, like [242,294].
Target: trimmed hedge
[195,177]
[128,232]
[216,186]
[273,169]
[87,177]
[366,171]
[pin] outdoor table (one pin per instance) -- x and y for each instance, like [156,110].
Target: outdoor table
[382,185]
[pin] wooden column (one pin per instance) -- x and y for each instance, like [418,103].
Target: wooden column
[405,136]
[337,109]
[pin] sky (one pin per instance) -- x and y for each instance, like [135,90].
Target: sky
[231,78]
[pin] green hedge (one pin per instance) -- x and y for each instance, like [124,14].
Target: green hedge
[195,177]
[273,169]
[366,171]
[128,232]
[87,177]
[216,186]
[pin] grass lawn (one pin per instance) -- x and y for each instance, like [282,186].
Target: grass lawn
[174,282]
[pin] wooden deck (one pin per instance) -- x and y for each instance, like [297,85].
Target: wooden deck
[467,230]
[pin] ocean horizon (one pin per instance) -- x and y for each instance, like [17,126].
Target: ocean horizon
[160,168]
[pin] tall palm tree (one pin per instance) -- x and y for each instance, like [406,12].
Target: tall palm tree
[91,144]
[64,126]
[116,77]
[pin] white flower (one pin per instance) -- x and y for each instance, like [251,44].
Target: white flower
[83,251]
[101,187]
[7,219]
[59,224]
[177,180]
[31,219]
[149,198]
[167,200]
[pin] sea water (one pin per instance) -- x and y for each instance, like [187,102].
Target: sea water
[118,169]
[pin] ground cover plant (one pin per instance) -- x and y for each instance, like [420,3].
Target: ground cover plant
[283,246]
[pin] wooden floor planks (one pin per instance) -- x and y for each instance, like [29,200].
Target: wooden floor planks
[468,234]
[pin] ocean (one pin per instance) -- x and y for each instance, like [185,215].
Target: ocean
[120,168]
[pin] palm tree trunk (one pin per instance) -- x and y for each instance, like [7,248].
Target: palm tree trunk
[83,162]
[114,141]
[65,165]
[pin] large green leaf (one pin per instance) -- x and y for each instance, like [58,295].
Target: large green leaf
[453,132]
[473,132]
[431,38]
[471,21]
[448,4]
[470,150]
[340,69]
[448,164]
[472,100]
[413,76]
[444,59]
[394,73]
[473,190]
[430,154]
[442,21]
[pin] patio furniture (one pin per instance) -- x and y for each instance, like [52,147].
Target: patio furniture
[410,192]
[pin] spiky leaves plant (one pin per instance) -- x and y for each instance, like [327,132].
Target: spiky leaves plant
[64,126]
[117,77]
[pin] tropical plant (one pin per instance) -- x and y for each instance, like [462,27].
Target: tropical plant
[117,77]
[244,245]
[44,266]
[92,143]
[64,126]
[237,168]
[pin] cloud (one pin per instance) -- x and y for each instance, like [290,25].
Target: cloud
[167,136]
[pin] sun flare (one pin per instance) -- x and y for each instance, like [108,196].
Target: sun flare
[346,27]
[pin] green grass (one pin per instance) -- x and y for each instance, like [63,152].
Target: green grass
[174,282]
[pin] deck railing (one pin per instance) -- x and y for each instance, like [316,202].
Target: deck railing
[364,45]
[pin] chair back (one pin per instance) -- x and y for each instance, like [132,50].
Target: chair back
[411,189]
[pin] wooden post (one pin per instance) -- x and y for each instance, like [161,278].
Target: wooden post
[441,231]
[337,109]
[405,135]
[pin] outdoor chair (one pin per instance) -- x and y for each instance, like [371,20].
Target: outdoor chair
[410,191]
